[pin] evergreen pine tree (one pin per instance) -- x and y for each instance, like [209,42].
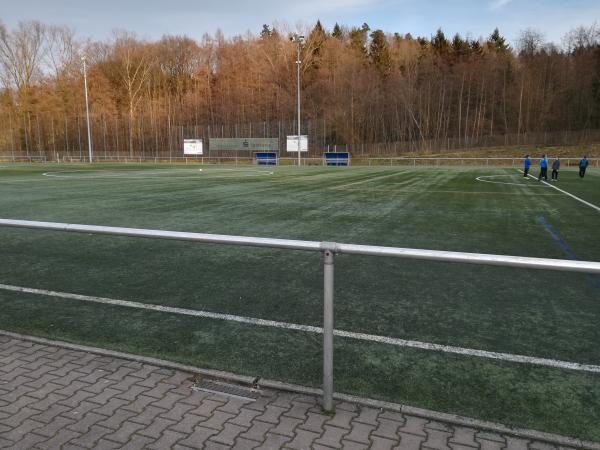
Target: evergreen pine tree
[358,38]
[380,53]
[497,41]
[460,47]
[440,44]
[337,31]
[475,47]
[318,29]
[316,38]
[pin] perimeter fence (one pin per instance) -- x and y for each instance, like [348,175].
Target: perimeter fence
[466,161]
[417,161]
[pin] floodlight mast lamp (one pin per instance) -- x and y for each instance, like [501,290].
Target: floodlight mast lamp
[87,109]
[299,40]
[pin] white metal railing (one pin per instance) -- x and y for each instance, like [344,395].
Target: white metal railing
[328,249]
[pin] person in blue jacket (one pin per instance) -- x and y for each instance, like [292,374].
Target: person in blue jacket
[543,168]
[555,168]
[526,166]
[582,166]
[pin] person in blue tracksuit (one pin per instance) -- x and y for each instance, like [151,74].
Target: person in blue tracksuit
[526,166]
[582,166]
[543,168]
[555,168]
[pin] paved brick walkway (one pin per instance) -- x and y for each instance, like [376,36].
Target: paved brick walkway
[55,398]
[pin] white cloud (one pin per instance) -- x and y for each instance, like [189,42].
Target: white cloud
[498,4]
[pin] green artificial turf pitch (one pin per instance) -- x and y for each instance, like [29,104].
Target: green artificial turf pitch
[526,312]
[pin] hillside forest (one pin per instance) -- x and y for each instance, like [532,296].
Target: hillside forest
[370,91]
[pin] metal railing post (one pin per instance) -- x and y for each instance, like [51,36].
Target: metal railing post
[328,330]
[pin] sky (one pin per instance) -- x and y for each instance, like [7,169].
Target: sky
[150,19]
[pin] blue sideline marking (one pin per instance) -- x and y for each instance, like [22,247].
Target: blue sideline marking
[541,219]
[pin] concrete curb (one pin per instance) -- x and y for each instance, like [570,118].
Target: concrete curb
[277,385]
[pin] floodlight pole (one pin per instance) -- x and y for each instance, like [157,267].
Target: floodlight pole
[299,40]
[87,109]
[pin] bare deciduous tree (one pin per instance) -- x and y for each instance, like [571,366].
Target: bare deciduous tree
[21,53]
[134,62]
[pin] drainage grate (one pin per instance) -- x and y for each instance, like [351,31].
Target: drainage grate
[230,390]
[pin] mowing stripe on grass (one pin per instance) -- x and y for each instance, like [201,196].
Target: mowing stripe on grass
[566,249]
[318,330]
[19,180]
[425,191]
[369,180]
[567,193]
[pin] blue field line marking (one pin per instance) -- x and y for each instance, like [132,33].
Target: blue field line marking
[566,249]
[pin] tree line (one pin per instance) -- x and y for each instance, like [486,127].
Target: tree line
[372,92]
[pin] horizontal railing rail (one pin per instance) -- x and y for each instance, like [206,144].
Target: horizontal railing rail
[335,247]
[329,249]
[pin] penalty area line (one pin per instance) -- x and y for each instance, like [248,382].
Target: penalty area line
[591,205]
[522,359]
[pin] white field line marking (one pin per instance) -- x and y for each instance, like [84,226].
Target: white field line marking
[318,330]
[155,174]
[160,308]
[369,180]
[567,193]
[161,171]
[481,178]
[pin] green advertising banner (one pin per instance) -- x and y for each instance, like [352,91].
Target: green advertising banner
[251,144]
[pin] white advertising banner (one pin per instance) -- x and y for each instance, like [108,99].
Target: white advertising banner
[292,143]
[192,146]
